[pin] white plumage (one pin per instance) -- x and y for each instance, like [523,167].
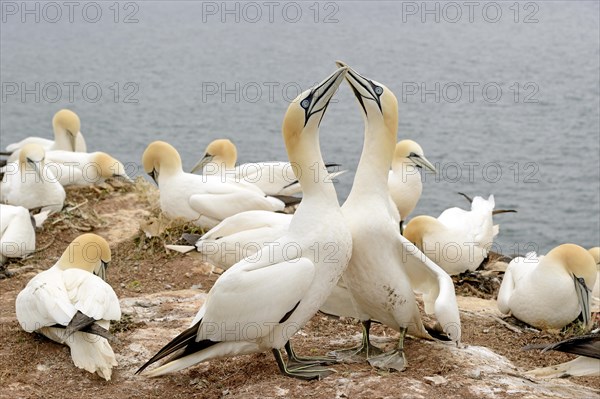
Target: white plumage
[17,233]
[85,169]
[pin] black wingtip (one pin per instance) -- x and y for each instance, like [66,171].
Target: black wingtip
[288,200]
[467,197]
[498,211]
[191,239]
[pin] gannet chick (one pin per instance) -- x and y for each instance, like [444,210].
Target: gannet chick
[457,240]
[17,232]
[29,182]
[67,135]
[273,178]
[587,363]
[70,304]
[384,267]
[85,169]
[259,305]
[404,180]
[549,291]
[205,200]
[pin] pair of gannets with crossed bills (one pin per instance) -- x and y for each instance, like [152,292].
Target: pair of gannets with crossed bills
[549,291]
[70,303]
[17,232]
[259,305]
[204,200]
[273,178]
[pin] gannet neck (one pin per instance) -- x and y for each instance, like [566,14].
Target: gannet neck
[87,252]
[161,159]
[576,260]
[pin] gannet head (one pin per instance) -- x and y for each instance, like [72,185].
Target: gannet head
[221,152]
[595,252]
[89,252]
[161,157]
[31,157]
[412,151]
[110,167]
[418,227]
[67,122]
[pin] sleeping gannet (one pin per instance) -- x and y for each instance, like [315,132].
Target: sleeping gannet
[457,240]
[404,180]
[274,178]
[70,304]
[85,169]
[67,136]
[17,232]
[205,200]
[384,267]
[549,291]
[259,305]
[30,182]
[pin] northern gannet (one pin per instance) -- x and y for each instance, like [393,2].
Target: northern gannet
[595,252]
[67,135]
[70,304]
[205,200]
[273,178]
[404,180]
[587,363]
[258,306]
[385,267]
[30,182]
[549,291]
[457,240]
[17,232]
[85,169]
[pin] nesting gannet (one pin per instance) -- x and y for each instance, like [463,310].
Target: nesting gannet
[259,305]
[587,363]
[404,180]
[85,169]
[17,232]
[457,240]
[595,252]
[385,267]
[274,178]
[31,183]
[205,200]
[549,291]
[67,135]
[70,304]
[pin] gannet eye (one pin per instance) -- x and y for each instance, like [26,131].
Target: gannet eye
[305,103]
[378,90]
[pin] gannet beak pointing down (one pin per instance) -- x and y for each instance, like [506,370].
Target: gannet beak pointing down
[206,159]
[583,295]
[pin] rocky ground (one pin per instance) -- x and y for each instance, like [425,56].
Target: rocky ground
[160,292]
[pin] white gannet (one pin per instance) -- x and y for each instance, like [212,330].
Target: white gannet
[549,291]
[67,135]
[595,252]
[385,267]
[85,169]
[17,232]
[273,178]
[205,200]
[70,304]
[404,180]
[457,240]
[30,182]
[259,305]
[587,363]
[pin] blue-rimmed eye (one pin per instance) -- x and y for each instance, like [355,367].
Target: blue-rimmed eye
[378,90]
[305,103]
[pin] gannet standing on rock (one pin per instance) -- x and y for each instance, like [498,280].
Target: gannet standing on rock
[70,304]
[404,181]
[67,136]
[85,169]
[549,291]
[17,232]
[385,267]
[259,305]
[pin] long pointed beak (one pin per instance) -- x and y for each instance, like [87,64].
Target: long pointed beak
[37,167]
[101,272]
[72,139]
[322,94]
[422,162]
[154,175]
[583,295]
[124,178]
[363,88]
[207,158]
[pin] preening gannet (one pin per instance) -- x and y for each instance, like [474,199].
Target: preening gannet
[273,178]
[205,200]
[457,240]
[385,267]
[404,180]
[587,363]
[67,135]
[259,305]
[549,291]
[85,169]
[17,232]
[70,304]
[30,182]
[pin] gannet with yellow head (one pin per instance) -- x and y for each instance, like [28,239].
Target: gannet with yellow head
[549,291]
[17,232]
[269,298]
[85,169]
[71,304]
